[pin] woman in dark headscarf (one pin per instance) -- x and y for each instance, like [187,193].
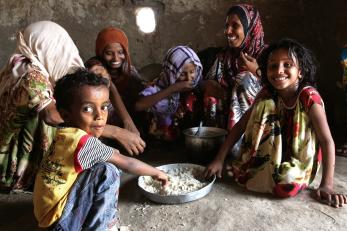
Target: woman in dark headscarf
[232,82]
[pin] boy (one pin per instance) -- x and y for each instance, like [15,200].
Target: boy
[77,184]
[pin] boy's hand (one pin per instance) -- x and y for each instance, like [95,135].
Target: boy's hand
[214,168]
[163,178]
[329,197]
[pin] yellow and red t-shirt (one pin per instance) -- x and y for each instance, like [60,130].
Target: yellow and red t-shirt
[72,152]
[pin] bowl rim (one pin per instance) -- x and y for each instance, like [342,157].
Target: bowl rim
[187,132]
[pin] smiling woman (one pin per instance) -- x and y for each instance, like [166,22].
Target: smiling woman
[232,82]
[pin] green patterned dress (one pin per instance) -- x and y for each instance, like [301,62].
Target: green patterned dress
[24,138]
[280,152]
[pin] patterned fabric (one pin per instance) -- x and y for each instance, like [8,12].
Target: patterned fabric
[24,138]
[226,71]
[280,152]
[173,64]
[172,67]
[44,53]
[73,151]
[253,43]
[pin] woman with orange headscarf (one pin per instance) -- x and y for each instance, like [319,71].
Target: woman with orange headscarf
[111,49]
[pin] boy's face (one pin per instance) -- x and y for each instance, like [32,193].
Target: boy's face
[89,109]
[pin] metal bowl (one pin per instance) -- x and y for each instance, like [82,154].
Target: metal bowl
[204,144]
[177,199]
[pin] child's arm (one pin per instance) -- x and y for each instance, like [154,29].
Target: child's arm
[216,166]
[148,101]
[137,167]
[130,141]
[325,191]
[121,111]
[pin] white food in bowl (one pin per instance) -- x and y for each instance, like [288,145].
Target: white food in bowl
[182,180]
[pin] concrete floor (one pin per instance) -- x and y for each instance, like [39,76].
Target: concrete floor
[227,207]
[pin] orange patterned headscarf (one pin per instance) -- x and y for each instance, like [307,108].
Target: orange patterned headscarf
[112,35]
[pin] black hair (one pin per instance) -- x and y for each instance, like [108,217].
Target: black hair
[65,88]
[92,62]
[303,56]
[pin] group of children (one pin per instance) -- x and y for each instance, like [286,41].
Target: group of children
[265,95]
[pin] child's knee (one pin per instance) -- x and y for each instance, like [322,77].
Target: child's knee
[108,174]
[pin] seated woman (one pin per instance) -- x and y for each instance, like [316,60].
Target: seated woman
[112,51]
[171,99]
[232,82]
[44,54]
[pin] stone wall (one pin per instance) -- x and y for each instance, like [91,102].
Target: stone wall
[319,24]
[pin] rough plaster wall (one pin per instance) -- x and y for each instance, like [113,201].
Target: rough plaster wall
[198,23]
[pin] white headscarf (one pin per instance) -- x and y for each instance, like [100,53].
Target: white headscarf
[46,45]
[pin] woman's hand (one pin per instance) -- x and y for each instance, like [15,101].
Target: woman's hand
[214,168]
[328,196]
[248,63]
[132,143]
[214,89]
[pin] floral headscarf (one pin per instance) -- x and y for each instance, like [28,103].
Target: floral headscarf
[43,44]
[253,42]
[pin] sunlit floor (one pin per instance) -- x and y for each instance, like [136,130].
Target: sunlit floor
[227,207]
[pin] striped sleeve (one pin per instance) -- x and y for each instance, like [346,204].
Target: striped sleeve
[93,152]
